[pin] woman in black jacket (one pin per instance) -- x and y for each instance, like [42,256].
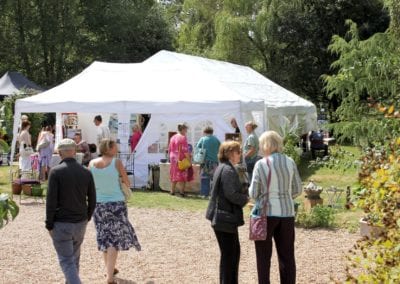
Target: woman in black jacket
[225,210]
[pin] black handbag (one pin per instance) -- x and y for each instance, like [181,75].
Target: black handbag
[223,216]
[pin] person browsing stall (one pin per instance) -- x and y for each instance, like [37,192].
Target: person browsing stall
[210,144]
[178,149]
[136,135]
[251,147]
[103,132]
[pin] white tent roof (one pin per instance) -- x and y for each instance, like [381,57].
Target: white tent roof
[245,82]
[139,88]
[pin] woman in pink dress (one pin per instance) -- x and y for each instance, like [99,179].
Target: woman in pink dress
[178,149]
[136,134]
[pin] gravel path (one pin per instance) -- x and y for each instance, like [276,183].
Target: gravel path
[177,247]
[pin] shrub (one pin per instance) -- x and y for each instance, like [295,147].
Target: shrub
[378,258]
[319,216]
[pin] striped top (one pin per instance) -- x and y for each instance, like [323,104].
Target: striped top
[285,184]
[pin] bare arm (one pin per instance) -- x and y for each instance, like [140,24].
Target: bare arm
[122,172]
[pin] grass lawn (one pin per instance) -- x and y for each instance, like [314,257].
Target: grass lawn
[340,177]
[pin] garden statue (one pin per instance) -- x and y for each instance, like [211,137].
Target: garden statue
[312,196]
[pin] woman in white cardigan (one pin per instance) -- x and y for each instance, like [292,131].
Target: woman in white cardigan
[284,186]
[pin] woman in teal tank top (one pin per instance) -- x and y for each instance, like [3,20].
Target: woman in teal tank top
[114,231]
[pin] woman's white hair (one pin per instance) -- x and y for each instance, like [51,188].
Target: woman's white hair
[271,141]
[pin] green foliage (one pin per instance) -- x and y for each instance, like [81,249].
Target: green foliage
[291,147]
[339,159]
[379,197]
[285,40]
[366,131]
[50,41]
[36,119]
[4,147]
[368,72]
[8,209]
[319,217]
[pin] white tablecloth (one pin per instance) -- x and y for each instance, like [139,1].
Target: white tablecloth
[165,181]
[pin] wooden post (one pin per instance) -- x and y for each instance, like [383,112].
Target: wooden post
[348,196]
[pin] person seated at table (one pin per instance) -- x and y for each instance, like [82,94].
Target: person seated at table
[82,147]
[317,143]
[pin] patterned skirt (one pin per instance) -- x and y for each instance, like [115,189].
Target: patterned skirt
[113,228]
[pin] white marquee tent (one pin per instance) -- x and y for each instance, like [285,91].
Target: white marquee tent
[281,105]
[172,91]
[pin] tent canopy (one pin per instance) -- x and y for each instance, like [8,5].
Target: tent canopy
[172,88]
[249,84]
[13,82]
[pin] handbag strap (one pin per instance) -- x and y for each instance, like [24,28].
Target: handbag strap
[179,151]
[266,198]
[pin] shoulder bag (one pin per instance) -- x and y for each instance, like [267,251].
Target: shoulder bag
[43,143]
[200,154]
[124,188]
[258,216]
[183,164]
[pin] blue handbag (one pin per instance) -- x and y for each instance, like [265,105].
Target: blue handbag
[199,154]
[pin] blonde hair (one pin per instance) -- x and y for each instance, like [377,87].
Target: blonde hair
[105,145]
[226,149]
[137,126]
[252,124]
[271,141]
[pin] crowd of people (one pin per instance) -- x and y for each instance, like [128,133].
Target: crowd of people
[45,146]
[79,191]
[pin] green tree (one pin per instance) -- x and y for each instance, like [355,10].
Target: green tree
[367,83]
[285,40]
[125,31]
[50,41]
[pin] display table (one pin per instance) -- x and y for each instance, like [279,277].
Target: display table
[165,181]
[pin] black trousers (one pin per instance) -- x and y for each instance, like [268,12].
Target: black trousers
[282,230]
[229,247]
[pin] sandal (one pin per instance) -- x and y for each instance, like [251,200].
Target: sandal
[182,194]
[116,271]
[172,193]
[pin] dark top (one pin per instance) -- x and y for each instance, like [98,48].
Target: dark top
[317,140]
[227,188]
[71,195]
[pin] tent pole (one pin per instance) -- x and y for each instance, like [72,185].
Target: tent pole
[17,121]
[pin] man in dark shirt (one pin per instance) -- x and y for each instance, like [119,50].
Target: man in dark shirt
[317,143]
[71,199]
